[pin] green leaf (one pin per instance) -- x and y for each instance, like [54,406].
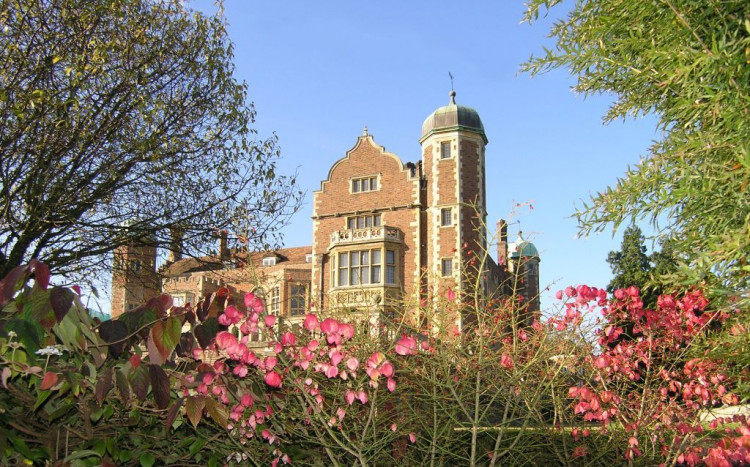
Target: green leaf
[122,386]
[197,445]
[163,338]
[41,398]
[139,381]
[147,459]
[68,333]
[216,412]
[206,332]
[39,309]
[29,334]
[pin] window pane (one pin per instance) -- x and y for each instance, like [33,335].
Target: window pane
[365,257]
[360,222]
[375,256]
[447,266]
[366,184]
[365,275]
[390,274]
[355,186]
[376,220]
[445,150]
[376,274]
[343,260]
[355,258]
[343,276]
[373,183]
[355,276]
[390,257]
[446,216]
[351,223]
[368,221]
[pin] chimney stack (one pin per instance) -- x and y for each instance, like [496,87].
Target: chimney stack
[175,244]
[502,242]
[223,249]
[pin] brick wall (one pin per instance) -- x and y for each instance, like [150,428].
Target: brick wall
[396,200]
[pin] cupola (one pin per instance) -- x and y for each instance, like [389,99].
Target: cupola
[453,117]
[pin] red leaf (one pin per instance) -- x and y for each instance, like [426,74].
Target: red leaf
[115,333]
[61,299]
[160,304]
[159,385]
[194,409]
[50,379]
[9,284]
[139,381]
[173,411]
[103,386]
[135,360]
[122,386]
[41,273]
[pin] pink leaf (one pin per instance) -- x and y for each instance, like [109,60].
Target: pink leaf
[5,376]
[406,346]
[50,379]
[311,322]
[273,379]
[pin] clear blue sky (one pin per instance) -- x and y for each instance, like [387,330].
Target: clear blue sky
[319,71]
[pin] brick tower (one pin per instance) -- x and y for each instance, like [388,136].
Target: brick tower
[455,210]
[134,278]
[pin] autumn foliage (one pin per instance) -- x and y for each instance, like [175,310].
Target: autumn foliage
[224,381]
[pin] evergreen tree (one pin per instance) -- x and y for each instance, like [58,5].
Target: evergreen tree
[630,265]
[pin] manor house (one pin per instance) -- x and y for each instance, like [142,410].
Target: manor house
[383,231]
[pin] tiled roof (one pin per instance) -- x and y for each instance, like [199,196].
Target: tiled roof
[286,256]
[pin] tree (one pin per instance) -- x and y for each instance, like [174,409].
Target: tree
[119,120]
[686,63]
[631,266]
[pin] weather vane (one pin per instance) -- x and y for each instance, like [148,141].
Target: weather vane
[451,76]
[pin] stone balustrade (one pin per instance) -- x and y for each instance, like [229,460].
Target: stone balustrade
[369,234]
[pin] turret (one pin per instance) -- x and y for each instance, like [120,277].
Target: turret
[453,144]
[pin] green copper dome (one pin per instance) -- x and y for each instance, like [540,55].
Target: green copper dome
[522,248]
[452,117]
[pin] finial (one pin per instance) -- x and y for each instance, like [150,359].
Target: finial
[452,93]
[364,131]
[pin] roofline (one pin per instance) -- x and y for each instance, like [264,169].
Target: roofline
[454,128]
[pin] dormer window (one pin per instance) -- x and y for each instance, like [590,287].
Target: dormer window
[309,258]
[269,261]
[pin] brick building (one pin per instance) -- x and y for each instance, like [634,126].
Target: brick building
[384,231]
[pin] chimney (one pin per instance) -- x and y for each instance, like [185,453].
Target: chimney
[502,242]
[175,244]
[223,250]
